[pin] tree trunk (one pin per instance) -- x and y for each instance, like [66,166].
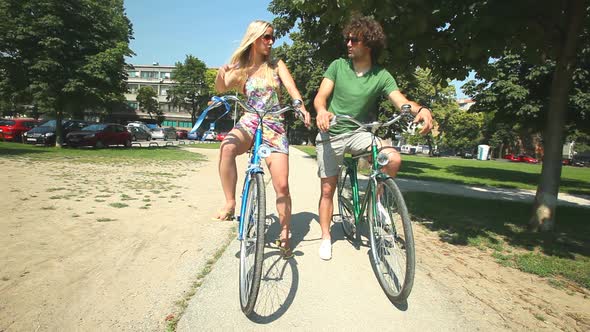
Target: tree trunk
[543,218]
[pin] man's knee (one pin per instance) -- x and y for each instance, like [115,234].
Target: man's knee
[328,187]
[395,162]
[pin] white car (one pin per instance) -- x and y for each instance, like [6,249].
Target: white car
[209,135]
[164,133]
[140,125]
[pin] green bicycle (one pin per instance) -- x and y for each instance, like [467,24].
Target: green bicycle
[390,228]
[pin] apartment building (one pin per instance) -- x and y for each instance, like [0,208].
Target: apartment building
[161,79]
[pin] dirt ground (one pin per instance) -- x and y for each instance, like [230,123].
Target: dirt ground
[100,247]
[69,260]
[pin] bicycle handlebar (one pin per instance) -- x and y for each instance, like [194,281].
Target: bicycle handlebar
[373,126]
[273,111]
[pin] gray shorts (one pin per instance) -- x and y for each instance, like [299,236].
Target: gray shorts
[331,149]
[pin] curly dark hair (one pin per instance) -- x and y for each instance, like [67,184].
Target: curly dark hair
[369,31]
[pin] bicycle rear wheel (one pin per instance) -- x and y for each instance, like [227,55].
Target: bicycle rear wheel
[252,244]
[345,202]
[392,240]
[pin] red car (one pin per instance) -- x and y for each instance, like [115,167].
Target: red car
[100,135]
[510,157]
[527,159]
[221,136]
[13,129]
[181,133]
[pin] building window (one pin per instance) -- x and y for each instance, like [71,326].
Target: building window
[164,90]
[169,123]
[165,75]
[133,74]
[149,74]
[132,88]
[185,124]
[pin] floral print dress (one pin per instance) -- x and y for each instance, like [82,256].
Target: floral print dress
[263,96]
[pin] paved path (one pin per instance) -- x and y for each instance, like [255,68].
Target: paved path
[307,293]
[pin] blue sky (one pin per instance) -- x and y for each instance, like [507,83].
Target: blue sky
[166,31]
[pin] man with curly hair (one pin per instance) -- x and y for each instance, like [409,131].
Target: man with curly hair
[353,87]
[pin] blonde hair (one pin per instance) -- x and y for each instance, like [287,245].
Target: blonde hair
[241,55]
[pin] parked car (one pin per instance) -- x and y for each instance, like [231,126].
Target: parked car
[193,136]
[220,136]
[164,133]
[152,126]
[181,133]
[140,125]
[100,135]
[209,135]
[45,133]
[510,157]
[13,129]
[138,133]
[527,159]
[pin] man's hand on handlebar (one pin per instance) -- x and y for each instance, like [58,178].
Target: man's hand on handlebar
[323,120]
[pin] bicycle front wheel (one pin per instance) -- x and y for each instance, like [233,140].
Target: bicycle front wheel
[252,244]
[392,240]
[345,202]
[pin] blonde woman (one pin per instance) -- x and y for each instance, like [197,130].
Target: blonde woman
[253,72]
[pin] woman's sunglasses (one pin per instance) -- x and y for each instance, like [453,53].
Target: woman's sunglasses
[268,38]
[353,40]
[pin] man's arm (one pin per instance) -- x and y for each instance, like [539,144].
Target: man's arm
[421,114]
[320,103]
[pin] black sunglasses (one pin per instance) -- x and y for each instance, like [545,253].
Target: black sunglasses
[268,37]
[353,40]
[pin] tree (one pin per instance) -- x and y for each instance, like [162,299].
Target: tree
[64,56]
[194,85]
[307,73]
[148,103]
[463,131]
[453,38]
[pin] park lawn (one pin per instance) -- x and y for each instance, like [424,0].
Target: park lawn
[208,145]
[500,228]
[494,173]
[108,155]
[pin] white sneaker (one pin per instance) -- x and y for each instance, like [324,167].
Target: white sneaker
[384,214]
[326,249]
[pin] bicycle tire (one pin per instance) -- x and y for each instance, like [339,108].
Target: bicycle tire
[345,203]
[252,244]
[392,241]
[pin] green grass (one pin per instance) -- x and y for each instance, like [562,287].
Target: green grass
[214,145]
[110,155]
[501,228]
[494,173]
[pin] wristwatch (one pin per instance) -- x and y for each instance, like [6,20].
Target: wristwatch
[297,103]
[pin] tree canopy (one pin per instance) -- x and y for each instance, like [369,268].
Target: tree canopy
[64,56]
[454,37]
[194,85]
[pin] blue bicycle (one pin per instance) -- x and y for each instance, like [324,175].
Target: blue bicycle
[252,218]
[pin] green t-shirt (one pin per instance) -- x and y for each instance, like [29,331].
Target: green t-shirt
[356,96]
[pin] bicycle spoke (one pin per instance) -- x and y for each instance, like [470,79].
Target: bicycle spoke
[391,241]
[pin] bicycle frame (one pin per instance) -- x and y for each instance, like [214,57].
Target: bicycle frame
[358,208]
[253,168]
